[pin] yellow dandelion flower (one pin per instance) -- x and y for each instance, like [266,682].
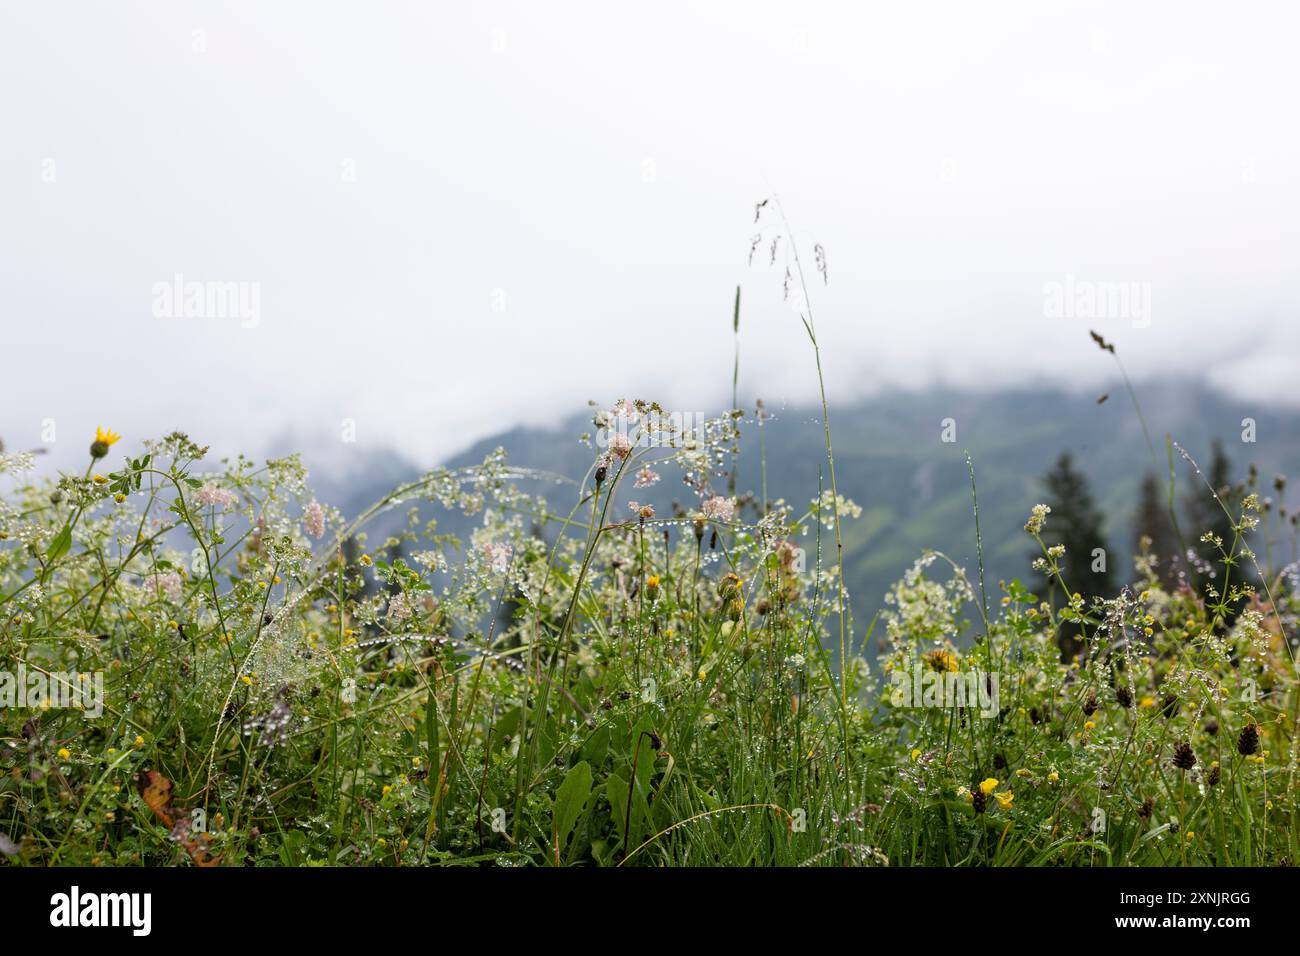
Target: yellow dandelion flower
[1053,776]
[916,752]
[1004,798]
[941,660]
[65,753]
[104,439]
[989,785]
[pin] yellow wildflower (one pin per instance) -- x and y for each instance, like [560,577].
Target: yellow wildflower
[941,660]
[104,439]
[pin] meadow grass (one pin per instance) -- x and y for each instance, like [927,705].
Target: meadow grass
[593,685]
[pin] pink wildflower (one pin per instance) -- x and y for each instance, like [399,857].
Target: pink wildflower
[498,556]
[313,519]
[620,445]
[166,585]
[719,508]
[399,608]
[646,477]
[210,494]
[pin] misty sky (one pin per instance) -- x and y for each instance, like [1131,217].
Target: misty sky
[460,217]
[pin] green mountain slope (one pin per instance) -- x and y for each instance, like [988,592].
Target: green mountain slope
[914,487]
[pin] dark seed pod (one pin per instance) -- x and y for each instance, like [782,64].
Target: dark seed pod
[1248,740]
[978,799]
[1213,777]
[1124,696]
[1184,757]
[1148,805]
[1090,704]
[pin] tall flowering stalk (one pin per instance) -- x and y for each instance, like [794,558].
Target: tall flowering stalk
[806,316]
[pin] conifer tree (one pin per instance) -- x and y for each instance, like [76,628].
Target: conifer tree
[1077,524]
[1153,529]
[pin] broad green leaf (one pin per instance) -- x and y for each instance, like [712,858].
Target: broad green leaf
[570,800]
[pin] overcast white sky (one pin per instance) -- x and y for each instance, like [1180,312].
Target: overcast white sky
[554,202]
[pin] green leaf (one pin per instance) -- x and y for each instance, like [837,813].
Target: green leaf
[59,547]
[570,800]
[616,793]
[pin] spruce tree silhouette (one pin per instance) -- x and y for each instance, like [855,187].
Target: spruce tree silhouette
[1075,523]
[1152,524]
[1206,516]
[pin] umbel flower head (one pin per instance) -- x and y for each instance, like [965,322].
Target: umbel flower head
[104,439]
